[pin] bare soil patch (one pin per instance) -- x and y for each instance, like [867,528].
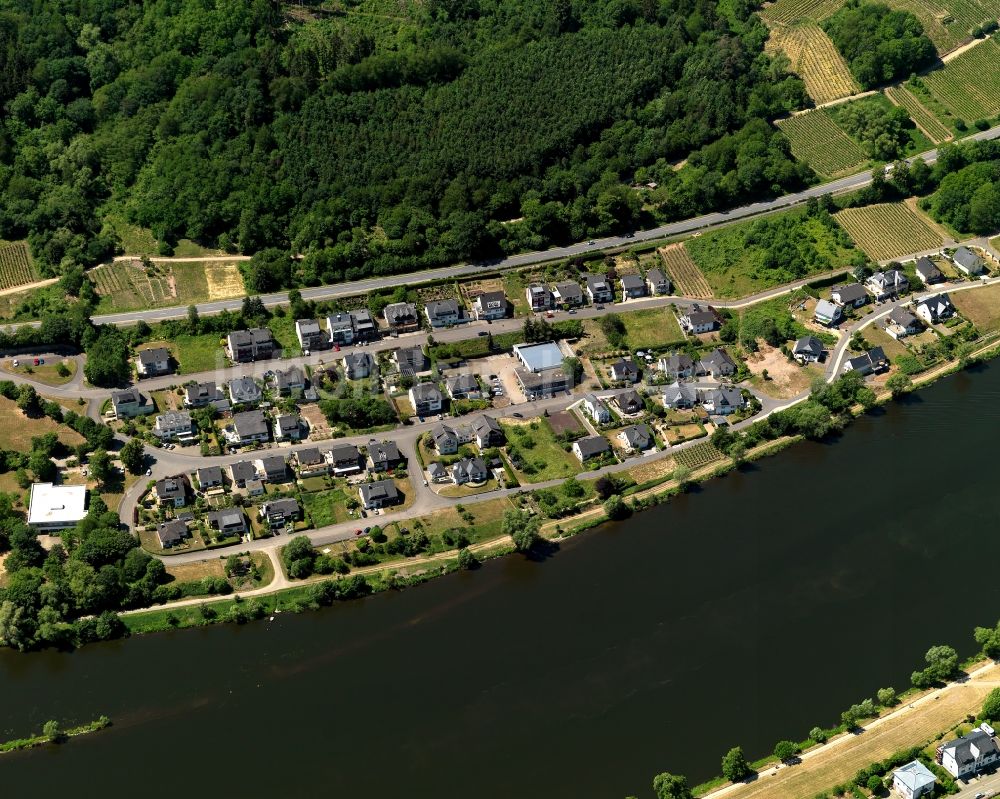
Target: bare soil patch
[564,422]
[785,377]
[319,428]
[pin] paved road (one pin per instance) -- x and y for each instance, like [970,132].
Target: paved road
[985,784]
[706,221]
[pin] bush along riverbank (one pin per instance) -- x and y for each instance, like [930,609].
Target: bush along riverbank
[53,733]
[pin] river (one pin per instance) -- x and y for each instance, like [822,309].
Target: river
[748,611]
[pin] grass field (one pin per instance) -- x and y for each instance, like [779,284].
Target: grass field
[816,139]
[16,266]
[684,272]
[536,444]
[198,353]
[17,430]
[325,507]
[129,286]
[889,230]
[48,374]
[932,127]
[656,327]
[876,336]
[981,306]
[814,59]
[789,11]
[969,85]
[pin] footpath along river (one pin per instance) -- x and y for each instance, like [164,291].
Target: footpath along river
[750,610]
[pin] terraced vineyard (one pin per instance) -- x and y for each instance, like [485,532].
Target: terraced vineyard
[949,23]
[816,139]
[684,272]
[785,12]
[969,85]
[814,59]
[919,113]
[699,455]
[889,230]
[16,268]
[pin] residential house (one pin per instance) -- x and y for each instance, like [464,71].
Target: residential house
[379,494]
[209,477]
[254,344]
[340,329]
[630,403]
[384,456]
[590,447]
[280,512]
[913,781]
[490,305]
[426,398]
[288,427]
[623,371]
[437,472]
[850,295]
[358,365]
[171,492]
[887,284]
[365,326]
[241,473]
[174,424]
[546,383]
[441,313]
[568,294]
[445,439]
[344,459]
[676,366]
[487,432]
[596,409]
[679,396]
[248,427]
[199,395]
[228,521]
[599,289]
[289,381]
[255,488]
[272,468]
[153,362]
[311,463]
[52,507]
[827,313]
[130,403]
[401,317]
[636,437]
[463,387]
[244,391]
[927,271]
[808,349]
[411,360]
[633,286]
[717,363]
[172,533]
[539,297]
[902,323]
[722,401]
[970,754]
[658,282]
[872,361]
[470,470]
[311,336]
[968,262]
[934,308]
[699,320]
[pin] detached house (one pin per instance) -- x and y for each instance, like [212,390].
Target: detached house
[872,361]
[426,398]
[379,494]
[590,447]
[288,427]
[280,512]
[228,522]
[442,313]
[470,470]
[568,294]
[969,754]
[913,781]
[311,463]
[633,286]
[487,432]
[927,271]
[171,492]
[172,533]
[808,349]
[383,456]
[199,395]
[599,289]
[254,344]
[209,477]
[463,387]
[902,323]
[311,336]
[827,313]
[625,371]
[290,380]
[490,305]
[358,365]
[596,409]
[445,439]
[679,396]
[935,308]
[676,366]
[244,391]
[241,473]
[658,282]
[174,424]
[851,295]
[344,459]
[401,317]
[365,326]
[273,468]
[539,298]
[890,283]
[248,427]
[153,362]
[717,363]
[340,327]
[968,262]
[130,403]
[699,320]
[630,403]
[722,401]
[411,360]
[636,438]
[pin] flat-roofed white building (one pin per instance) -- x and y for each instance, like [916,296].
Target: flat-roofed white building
[53,507]
[539,357]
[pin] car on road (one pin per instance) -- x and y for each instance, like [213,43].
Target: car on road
[149,472]
[599,307]
[517,415]
[591,242]
[16,363]
[357,532]
[483,333]
[572,310]
[425,482]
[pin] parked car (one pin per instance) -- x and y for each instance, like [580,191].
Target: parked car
[16,363]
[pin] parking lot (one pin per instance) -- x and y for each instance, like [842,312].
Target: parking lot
[503,367]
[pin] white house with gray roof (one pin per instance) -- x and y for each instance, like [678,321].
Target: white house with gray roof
[827,313]
[590,447]
[934,308]
[599,289]
[441,313]
[636,437]
[913,781]
[808,349]
[968,262]
[969,754]
[596,409]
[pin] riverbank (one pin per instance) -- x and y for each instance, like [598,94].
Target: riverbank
[54,735]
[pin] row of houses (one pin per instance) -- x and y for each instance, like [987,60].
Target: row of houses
[962,758]
[598,288]
[720,401]
[717,364]
[482,430]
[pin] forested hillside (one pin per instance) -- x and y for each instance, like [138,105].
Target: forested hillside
[378,136]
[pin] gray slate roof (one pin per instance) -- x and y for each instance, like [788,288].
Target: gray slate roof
[592,445]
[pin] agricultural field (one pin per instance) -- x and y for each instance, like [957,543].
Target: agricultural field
[924,118]
[889,230]
[814,59]
[684,272]
[699,455]
[948,23]
[131,286]
[787,12]
[818,140]
[968,86]
[16,267]
[981,306]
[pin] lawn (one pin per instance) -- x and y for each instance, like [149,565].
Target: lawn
[487,517]
[326,507]
[283,328]
[653,328]
[17,430]
[543,458]
[981,306]
[468,490]
[201,353]
[47,374]
[876,336]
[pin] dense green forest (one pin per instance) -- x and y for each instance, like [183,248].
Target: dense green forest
[379,136]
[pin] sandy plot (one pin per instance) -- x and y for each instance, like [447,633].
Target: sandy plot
[224,280]
[785,377]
